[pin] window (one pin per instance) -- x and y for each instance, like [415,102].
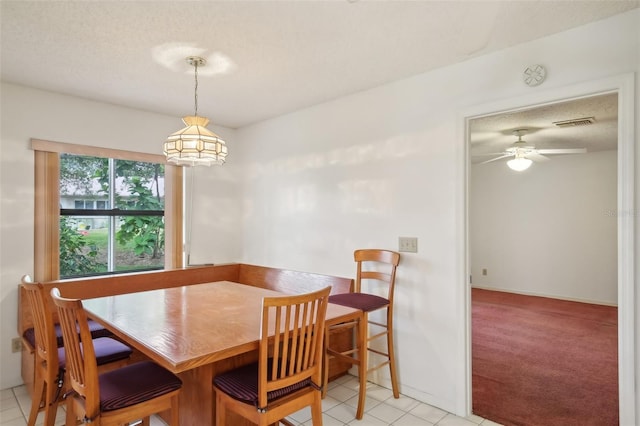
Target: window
[101,211]
[128,237]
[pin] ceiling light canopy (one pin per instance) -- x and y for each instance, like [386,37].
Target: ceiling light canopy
[195,145]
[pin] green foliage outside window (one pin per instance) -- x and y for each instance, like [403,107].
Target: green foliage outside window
[77,255]
[140,235]
[146,232]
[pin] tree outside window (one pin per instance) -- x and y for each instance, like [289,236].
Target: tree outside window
[111,215]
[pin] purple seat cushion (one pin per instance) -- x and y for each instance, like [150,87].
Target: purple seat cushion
[363,301]
[242,384]
[134,384]
[107,350]
[97,330]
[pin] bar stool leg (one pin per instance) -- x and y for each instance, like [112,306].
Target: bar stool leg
[392,356]
[363,365]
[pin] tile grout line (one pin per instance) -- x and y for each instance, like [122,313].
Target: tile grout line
[382,410]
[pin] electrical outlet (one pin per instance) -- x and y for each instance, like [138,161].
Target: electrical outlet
[408,244]
[16,344]
[484,271]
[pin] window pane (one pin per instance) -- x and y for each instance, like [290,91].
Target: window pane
[139,243]
[83,245]
[83,177]
[139,186]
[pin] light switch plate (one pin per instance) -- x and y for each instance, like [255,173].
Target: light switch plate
[408,244]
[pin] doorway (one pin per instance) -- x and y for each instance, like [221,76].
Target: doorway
[623,87]
[544,231]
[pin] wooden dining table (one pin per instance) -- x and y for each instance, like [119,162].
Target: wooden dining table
[196,331]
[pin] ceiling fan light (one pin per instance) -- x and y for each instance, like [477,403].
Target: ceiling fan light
[519,164]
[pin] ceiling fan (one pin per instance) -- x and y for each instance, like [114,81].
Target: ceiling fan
[525,154]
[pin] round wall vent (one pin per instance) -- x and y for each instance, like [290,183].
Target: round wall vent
[534,75]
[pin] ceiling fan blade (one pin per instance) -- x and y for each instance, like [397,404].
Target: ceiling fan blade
[563,151]
[497,158]
[535,156]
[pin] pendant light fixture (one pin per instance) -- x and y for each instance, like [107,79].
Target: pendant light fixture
[195,145]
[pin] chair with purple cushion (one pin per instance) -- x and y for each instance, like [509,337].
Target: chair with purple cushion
[116,397]
[376,268]
[288,374]
[50,360]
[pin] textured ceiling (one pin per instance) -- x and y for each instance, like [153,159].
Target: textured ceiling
[493,134]
[266,58]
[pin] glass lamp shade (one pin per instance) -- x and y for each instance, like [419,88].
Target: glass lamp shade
[195,145]
[519,164]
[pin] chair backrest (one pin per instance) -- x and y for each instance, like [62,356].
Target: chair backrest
[292,331]
[81,359]
[377,265]
[46,345]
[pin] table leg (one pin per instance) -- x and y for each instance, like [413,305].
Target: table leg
[196,398]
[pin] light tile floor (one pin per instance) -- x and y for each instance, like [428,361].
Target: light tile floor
[339,409]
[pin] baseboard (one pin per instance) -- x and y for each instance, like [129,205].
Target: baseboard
[551,296]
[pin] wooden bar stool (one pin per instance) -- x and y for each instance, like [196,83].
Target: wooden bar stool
[378,269]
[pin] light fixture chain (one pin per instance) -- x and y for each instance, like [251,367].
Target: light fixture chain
[196,91]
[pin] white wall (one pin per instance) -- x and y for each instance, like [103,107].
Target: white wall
[28,113]
[550,230]
[316,184]
[365,169]
[217,212]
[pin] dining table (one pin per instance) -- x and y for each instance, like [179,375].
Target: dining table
[196,331]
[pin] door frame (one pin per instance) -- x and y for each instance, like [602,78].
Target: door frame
[624,86]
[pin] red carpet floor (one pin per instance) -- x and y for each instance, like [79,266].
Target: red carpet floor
[544,362]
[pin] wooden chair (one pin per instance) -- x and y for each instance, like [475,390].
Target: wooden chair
[288,374]
[50,360]
[116,397]
[377,268]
